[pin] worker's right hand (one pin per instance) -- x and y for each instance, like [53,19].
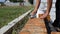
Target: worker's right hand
[33,13]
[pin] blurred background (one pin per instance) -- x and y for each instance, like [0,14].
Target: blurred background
[16,2]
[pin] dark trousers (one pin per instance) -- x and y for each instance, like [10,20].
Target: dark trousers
[57,20]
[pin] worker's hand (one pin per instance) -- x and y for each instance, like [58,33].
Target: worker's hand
[44,15]
[33,13]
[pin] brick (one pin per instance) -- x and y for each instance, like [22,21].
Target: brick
[43,33]
[40,33]
[55,32]
[25,32]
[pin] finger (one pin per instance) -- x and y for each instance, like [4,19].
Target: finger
[42,17]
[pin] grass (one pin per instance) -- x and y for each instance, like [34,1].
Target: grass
[7,14]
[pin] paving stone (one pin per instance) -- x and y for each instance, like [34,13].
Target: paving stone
[55,32]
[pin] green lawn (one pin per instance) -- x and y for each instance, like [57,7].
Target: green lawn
[7,14]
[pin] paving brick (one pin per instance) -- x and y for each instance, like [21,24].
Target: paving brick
[25,32]
[41,33]
[55,32]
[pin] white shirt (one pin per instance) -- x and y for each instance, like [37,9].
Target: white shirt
[42,8]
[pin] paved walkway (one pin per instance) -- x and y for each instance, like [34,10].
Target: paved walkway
[35,26]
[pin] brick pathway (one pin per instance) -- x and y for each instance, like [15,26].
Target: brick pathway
[35,26]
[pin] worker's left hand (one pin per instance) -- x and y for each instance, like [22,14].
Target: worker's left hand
[44,15]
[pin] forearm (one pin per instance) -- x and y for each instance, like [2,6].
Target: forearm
[37,5]
[49,5]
